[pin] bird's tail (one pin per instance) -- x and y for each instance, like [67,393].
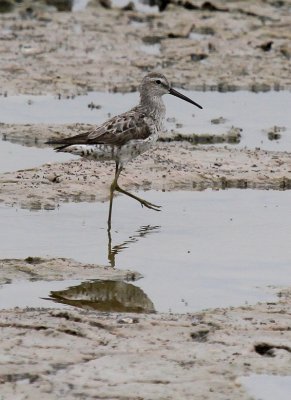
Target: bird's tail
[62,144]
[59,142]
[61,148]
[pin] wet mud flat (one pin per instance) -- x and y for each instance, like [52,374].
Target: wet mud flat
[168,167]
[224,45]
[82,354]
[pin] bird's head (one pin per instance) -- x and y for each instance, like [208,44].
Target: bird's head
[156,84]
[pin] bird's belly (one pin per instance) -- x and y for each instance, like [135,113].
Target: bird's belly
[104,152]
[93,151]
[134,148]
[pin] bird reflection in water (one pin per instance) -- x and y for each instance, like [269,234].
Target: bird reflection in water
[110,295]
[106,296]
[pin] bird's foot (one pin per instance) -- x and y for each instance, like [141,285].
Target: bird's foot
[149,205]
[142,202]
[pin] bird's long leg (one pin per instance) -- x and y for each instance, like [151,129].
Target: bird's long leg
[112,188]
[143,202]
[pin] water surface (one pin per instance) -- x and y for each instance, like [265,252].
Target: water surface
[252,112]
[267,387]
[16,157]
[205,249]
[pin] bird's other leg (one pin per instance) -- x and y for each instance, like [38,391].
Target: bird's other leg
[143,202]
[112,189]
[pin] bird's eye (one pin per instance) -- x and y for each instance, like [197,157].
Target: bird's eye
[158,82]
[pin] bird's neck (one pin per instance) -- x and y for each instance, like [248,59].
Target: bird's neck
[154,107]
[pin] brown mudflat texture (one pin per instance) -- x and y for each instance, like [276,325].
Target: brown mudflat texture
[241,45]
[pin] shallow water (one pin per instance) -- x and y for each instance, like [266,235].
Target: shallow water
[79,5]
[267,387]
[253,112]
[15,157]
[30,294]
[208,249]
[205,249]
[198,36]
[151,48]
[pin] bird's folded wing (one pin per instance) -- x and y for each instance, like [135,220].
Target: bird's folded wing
[116,131]
[120,129]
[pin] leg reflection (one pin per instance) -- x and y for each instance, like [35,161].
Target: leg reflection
[143,231]
[110,295]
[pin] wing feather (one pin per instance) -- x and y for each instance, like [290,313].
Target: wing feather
[119,130]
[116,131]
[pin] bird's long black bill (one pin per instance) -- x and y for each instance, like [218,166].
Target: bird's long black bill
[181,96]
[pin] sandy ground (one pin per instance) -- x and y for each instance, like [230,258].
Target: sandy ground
[85,354]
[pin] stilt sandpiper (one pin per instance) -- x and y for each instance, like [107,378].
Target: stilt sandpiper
[127,135]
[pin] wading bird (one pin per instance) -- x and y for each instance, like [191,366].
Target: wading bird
[125,136]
